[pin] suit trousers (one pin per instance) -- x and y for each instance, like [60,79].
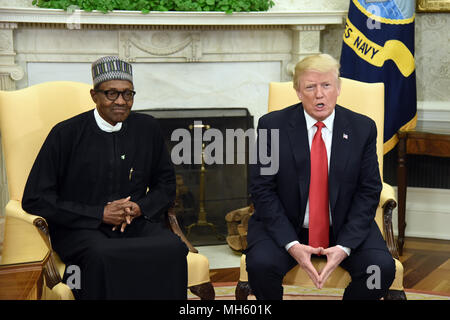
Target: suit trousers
[372,270]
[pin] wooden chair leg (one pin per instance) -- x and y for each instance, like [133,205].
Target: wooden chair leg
[243,290]
[395,295]
[205,291]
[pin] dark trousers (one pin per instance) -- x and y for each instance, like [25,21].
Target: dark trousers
[147,261]
[372,271]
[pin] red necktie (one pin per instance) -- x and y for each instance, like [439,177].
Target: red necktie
[319,220]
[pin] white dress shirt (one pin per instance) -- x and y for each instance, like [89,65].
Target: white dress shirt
[105,126]
[327,135]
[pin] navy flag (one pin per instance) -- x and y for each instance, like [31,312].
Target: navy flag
[378,46]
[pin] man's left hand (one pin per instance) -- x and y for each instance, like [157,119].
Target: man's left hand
[132,211]
[135,210]
[335,256]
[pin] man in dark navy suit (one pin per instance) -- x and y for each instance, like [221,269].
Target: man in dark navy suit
[323,199]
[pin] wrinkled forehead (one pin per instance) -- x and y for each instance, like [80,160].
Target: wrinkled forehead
[316,76]
[119,85]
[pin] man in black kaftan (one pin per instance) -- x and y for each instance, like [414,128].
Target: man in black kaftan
[103,180]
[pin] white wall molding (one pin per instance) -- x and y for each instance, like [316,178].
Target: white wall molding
[136,18]
[433,116]
[54,35]
[51,36]
[427,213]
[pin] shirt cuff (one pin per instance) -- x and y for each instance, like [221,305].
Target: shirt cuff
[346,250]
[290,244]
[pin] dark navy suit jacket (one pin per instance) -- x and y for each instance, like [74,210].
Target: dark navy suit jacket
[354,181]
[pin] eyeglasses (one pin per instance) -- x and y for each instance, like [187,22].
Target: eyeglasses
[112,95]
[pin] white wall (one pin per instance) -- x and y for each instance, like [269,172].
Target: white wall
[181,85]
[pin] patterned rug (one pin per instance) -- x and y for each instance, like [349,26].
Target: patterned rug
[225,291]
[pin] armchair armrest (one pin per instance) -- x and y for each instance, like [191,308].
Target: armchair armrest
[237,224]
[387,194]
[388,202]
[14,210]
[175,227]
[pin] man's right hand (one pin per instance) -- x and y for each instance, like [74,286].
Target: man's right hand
[302,254]
[115,212]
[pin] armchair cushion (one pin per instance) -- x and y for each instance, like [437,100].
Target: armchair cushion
[198,269]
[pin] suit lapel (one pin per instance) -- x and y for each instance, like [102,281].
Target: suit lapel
[340,151]
[298,138]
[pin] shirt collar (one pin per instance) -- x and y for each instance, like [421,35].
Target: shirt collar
[105,126]
[328,122]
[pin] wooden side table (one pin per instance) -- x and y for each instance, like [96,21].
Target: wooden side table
[24,258]
[420,143]
[21,281]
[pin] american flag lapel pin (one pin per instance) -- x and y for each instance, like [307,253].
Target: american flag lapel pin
[345,136]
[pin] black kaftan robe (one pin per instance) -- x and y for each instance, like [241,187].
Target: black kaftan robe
[81,168]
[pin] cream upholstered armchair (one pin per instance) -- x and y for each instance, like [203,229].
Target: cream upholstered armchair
[26,117]
[368,99]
